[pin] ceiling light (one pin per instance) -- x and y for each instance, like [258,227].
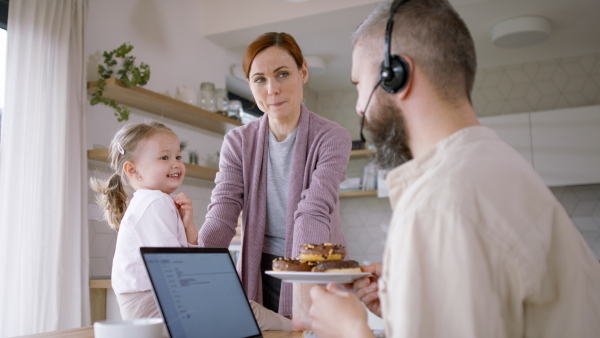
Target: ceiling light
[316,64]
[523,31]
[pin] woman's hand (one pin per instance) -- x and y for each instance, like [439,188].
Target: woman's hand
[367,290]
[186,211]
[269,320]
[337,313]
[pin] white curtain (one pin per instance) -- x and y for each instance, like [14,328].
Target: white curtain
[43,169]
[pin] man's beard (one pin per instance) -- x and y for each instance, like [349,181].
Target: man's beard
[389,135]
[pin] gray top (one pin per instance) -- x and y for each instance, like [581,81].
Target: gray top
[278,179]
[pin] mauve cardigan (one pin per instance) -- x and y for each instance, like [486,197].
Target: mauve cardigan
[321,154]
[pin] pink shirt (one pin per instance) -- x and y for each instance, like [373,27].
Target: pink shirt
[151,219]
[319,162]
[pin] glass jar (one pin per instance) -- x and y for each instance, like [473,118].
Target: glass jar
[234,111]
[221,101]
[206,97]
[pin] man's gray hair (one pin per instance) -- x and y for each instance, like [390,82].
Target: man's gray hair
[433,35]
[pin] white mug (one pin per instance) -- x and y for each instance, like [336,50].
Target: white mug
[137,328]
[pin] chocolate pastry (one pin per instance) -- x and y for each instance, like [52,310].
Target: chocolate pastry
[337,266]
[322,252]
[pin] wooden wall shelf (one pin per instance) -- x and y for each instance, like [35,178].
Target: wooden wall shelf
[361,153]
[358,193]
[100,283]
[100,155]
[191,170]
[162,105]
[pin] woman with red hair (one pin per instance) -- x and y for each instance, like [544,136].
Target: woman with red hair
[282,172]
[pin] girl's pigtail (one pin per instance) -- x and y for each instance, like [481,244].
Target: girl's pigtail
[112,198]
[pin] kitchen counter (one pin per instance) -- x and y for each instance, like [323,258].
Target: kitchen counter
[88,332]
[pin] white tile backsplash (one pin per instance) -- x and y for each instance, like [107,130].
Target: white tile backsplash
[592,239]
[584,208]
[99,267]
[575,84]
[573,67]
[590,90]
[585,224]
[547,88]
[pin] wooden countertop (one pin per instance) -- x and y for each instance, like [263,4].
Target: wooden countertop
[88,332]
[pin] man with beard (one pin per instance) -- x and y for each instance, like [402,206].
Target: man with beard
[478,246]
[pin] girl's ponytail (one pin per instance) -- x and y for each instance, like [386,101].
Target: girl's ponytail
[112,197]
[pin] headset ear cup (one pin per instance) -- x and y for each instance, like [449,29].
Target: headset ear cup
[398,75]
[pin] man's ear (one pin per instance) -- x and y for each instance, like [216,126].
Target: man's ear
[129,169]
[411,67]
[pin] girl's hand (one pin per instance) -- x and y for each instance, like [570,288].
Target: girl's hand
[186,210]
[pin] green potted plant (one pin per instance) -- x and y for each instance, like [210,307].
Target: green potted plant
[184,152]
[126,71]
[193,157]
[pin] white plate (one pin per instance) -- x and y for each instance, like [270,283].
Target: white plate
[316,277]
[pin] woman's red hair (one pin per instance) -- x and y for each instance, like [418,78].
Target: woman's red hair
[267,40]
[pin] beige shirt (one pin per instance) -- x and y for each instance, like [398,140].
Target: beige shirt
[478,246]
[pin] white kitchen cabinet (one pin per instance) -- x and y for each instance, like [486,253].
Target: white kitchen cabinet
[513,129]
[563,145]
[566,145]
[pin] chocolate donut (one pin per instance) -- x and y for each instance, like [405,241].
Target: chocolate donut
[322,252]
[290,264]
[337,266]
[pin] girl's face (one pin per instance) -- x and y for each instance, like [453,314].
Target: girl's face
[276,83]
[157,164]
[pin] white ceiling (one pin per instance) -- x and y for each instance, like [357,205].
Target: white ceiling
[323,27]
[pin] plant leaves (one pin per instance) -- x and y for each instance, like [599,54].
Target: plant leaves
[130,74]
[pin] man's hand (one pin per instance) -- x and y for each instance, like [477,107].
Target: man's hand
[367,290]
[186,210]
[337,313]
[300,306]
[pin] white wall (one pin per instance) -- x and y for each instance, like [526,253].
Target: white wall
[167,35]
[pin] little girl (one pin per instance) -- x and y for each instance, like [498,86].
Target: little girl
[147,157]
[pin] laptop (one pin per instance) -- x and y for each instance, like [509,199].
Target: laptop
[199,293]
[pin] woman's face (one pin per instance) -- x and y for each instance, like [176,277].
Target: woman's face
[276,83]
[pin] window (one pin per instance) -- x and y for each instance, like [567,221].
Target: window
[2,72]
[3,22]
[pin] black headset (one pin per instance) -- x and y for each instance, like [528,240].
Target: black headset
[394,71]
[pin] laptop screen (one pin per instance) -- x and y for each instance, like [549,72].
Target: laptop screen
[199,292]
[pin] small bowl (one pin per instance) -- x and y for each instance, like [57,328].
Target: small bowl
[137,328]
